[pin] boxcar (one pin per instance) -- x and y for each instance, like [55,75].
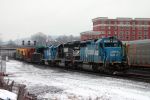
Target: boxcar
[139,53]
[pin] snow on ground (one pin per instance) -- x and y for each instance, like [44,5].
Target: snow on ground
[60,84]
[7,95]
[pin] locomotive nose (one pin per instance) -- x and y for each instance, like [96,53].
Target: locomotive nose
[114,55]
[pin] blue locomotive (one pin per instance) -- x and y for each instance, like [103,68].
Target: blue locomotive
[106,54]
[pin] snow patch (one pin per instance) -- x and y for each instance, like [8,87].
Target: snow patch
[7,95]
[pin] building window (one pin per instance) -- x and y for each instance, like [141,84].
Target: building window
[121,32]
[145,33]
[145,23]
[102,27]
[127,28]
[133,28]
[115,27]
[140,28]
[128,23]
[145,28]
[127,32]
[109,27]
[133,32]
[109,22]
[133,37]
[133,23]
[140,37]
[115,23]
[145,37]
[115,36]
[140,32]
[102,32]
[140,23]
[109,32]
[102,22]
[121,27]
[121,23]
[120,37]
[115,32]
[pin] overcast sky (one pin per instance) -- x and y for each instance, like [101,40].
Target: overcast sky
[21,18]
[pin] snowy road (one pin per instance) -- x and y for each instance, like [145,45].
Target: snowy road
[59,84]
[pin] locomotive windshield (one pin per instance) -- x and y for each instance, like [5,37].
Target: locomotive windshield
[112,43]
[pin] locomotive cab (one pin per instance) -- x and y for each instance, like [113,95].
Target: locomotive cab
[112,53]
[112,50]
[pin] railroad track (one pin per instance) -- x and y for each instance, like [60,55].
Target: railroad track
[129,75]
[139,74]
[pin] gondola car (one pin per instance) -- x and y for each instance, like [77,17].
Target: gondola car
[28,54]
[20,53]
[139,53]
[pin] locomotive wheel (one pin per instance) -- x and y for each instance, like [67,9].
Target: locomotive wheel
[67,65]
[74,66]
[108,69]
[43,62]
[95,68]
[79,67]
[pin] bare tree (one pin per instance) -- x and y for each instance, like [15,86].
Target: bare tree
[40,38]
[0,39]
[65,39]
[11,43]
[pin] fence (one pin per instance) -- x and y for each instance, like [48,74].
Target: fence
[2,65]
[19,89]
[7,52]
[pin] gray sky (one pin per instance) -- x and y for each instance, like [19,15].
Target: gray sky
[21,18]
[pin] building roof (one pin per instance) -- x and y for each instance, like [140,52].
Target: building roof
[124,18]
[100,18]
[142,19]
[90,32]
[120,19]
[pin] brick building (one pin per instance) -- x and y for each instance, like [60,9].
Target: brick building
[126,29]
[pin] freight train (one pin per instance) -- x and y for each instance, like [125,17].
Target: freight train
[106,55]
